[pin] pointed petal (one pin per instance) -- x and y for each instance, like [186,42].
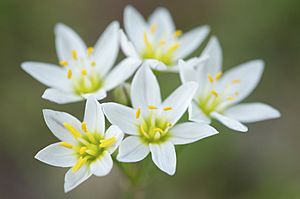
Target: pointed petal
[249,75]
[122,116]
[197,115]
[107,48]
[127,47]
[190,41]
[116,132]
[73,179]
[55,121]
[229,122]
[135,27]
[132,150]
[145,89]
[103,165]
[189,132]
[94,117]
[121,72]
[67,40]
[179,100]
[252,112]
[164,156]
[163,19]
[48,74]
[60,97]
[187,72]
[57,155]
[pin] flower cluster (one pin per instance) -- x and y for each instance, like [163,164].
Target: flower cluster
[151,124]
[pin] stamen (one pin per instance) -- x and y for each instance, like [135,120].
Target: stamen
[174,47]
[74,54]
[177,33]
[138,113]
[84,72]
[158,130]
[91,152]
[90,50]
[236,93]
[230,98]
[219,75]
[144,132]
[162,42]
[108,142]
[214,92]
[63,63]
[67,145]
[148,44]
[153,28]
[82,150]
[75,133]
[79,164]
[210,78]
[168,108]
[236,81]
[84,127]
[69,74]
[152,107]
[93,63]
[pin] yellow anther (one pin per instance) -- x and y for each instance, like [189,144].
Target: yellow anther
[84,127]
[90,50]
[148,44]
[63,63]
[168,108]
[158,130]
[84,72]
[153,28]
[75,133]
[230,98]
[162,42]
[74,54]
[91,152]
[81,161]
[69,74]
[236,81]
[138,113]
[82,150]
[177,33]
[214,92]
[67,145]
[152,107]
[236,93]
[219,75]
[174,47]
[108,142]
[93,63]
[210,78]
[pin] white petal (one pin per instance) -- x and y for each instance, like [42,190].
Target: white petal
[132,150]
[73,179]
[179,100]
[189,132]
[122,116]
[229,122]
[127,47]
[107,48]
[135,27]
[103,165]
[164,156]
[116,132]
[155,64]
[190,41]
[57,155]
[249,75]
[48,74]
[145,89]
[163,19]
[197,115]
[252,112]
[94,117]
[67,40]
[55,121]
[121,72]
[99,94]
[60,97]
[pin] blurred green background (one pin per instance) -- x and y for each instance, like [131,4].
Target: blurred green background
[263,163]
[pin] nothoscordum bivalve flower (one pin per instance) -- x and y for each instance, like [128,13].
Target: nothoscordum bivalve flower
[84,71]
[84,146]
[217,95]
[150,124]
[157,41]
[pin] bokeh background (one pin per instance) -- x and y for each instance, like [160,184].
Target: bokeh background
[263,163]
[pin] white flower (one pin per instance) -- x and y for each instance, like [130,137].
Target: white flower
[157,41]
[85,147]
[151,123]
[218,94]
[84,71]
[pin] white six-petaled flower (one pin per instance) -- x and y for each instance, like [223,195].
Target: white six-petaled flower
[218,94]
[157,41]
[84,146]
[84,71]
[150,124]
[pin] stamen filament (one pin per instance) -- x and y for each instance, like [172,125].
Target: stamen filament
[81,161]
[75,133]
[153,28]
[67,145]
[108,142]
[214,92]
[236,81]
